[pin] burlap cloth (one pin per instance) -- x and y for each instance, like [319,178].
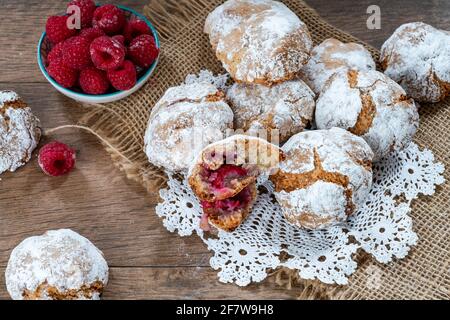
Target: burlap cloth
[425,274]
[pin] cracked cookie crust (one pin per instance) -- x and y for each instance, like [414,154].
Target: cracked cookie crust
[325,177]
[19,132]
[417,57]
[370,105]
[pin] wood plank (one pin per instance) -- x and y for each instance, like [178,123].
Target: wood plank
[180,283]
[351,16]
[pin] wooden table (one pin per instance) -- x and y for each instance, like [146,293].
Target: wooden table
[96,199]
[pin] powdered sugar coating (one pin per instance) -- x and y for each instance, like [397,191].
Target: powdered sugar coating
[258,41]
[61,259]
[19,132]
[324,198]
[183,122]
[287,107]
[417,57]
[371,105]
[332,56]
[240,150]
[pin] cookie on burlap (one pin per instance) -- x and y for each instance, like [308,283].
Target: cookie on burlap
[224,176]
[183,122]
[332,56]
[19,132]
[417,56]
[325,177]
[259,41]
[287,107]
[370,105]
[59,265]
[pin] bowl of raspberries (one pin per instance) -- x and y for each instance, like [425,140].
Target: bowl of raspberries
[104,54]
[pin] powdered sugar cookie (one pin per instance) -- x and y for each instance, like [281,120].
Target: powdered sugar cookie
[287,107]
[325,177]
[332,56]
[183,122]
[224,177]
[19,132]
[59,265]
[370,105]
[417,57]
[259,41]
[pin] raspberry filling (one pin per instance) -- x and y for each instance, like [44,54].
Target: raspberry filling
[226,207]
[229,194]
[222,181]
[230,205]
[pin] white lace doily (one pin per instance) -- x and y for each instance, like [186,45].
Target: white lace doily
[382,228]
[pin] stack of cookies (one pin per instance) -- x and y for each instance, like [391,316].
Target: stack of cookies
[333,113]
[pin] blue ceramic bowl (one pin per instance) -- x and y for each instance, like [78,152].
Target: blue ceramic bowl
[44,47]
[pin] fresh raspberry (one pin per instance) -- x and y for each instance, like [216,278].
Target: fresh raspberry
[135,27]
[107,53]
[92,33]
[57,30]
[56,159]
[93,81]
[109,18]
[143,51]
[123,78]
[61,73]
[119,38]
[76,53]
[87,8]
[55,53]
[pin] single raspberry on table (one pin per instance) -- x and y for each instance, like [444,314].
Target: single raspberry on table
[55,53]
[107,53]
[143,51]
[57,30]
[56,159]
[109,18]
[135,27]
[92,33]
[87,9]
[93,81]
[76,53]
[123,78]
[62,74]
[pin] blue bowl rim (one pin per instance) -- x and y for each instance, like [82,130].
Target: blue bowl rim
[106,95]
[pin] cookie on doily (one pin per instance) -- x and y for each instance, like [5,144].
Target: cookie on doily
[19,132]
[59,265]
[370,105]
[183,122]
[332,56]
[287,107]
[224,176]
[417,57]
[325,177]
[258,41]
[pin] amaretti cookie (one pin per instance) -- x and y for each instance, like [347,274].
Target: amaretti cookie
[19,132]
[224,176]
[325,177]
[59,265]
[259,41]
[287,108]
[183,122]
[417,57]
[370,105]
[332,56]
